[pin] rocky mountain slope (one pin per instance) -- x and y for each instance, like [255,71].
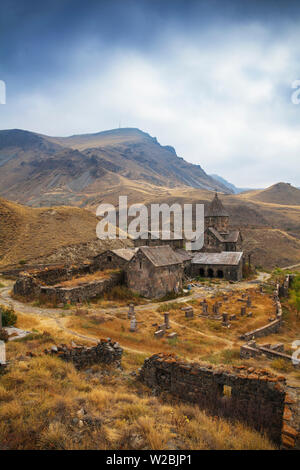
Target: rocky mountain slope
[38,170]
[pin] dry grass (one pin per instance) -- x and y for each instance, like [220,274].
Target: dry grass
[42,398]
[77,281]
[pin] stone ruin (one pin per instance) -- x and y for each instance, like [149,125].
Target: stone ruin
[271,351]
[45,282]
[105,352]
[188,311]
[255,396]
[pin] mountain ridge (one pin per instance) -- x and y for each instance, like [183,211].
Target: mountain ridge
[41,170]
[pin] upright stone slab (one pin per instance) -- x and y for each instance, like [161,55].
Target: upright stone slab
[205,308]
[2,353]
[131,310]
[225,318]
[167,320]
[189,313]
[243,311]
[249,303]
[159,333]
[133,324]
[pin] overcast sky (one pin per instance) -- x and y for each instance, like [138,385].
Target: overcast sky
[213,79]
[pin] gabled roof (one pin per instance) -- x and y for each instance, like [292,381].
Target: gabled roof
[216,208]
[160,255]
[184,255]
[231,237]
[125,253]
[230,258]
[160,235]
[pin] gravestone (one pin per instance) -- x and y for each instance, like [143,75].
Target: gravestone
[159,333]
[205,309]
[167,320]
[133,324]
[249,303]
[225,318]
[243,311]
[189,312]
[2,353]
[216,308]
[172,335]
[131,310]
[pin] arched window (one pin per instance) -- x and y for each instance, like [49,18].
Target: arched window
[210,273]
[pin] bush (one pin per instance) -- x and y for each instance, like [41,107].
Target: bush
[9,318]
[121,293]
[22,262]
[282,365]
[3,335]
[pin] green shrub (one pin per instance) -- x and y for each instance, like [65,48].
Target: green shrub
[282,365]
[22,262]
[3,335]
[9,318]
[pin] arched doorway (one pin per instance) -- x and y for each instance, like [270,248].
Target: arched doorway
[210,273]
[201,272]
[220,274]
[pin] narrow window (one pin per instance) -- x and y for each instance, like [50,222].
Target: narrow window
[226,391]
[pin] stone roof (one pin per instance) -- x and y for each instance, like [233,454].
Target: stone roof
[216,208]
[161,255]
[231,237]
[185,255]
[230,258]
[161,235]
[125,253]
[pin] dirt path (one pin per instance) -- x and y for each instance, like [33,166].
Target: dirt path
[56,314]
[292,267]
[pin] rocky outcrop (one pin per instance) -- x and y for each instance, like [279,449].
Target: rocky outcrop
[105,352]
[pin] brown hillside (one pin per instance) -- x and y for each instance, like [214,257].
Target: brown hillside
[280,193]
[52,234]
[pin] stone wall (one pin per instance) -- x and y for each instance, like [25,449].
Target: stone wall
[105,352]
[257,397]
[81,293]
[150,281]
[230,273]
[252,349]
[109,260]
[32,285]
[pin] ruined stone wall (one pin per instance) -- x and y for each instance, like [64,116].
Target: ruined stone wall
[32,286]
[252,349]
[83,292]
[105,352]
[257,396]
